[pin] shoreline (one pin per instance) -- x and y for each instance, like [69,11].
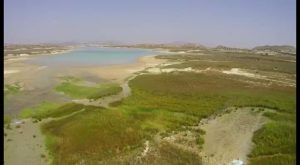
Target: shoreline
[119,72]
[27,56]
[19,61]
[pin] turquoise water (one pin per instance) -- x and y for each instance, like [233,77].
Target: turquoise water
[93,56]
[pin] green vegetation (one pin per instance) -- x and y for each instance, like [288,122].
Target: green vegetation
[76,88]
[70,79]
[43,156]
[7,126]
[159,103]
[201,131]
[233,60]
[170,155]
[11,89]
[7,119]
[276,140]
[116,103]
[103,132]
[276,159]
[105,90]
[47,109]
[200,141]
[39,111]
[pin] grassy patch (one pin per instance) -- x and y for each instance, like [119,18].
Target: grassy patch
[105,90]
[71,79]
[275,143]
[103,134]
[7,119]
[91,92]
[47,109]
[201,95]
[39,111]
[11,89]
[233,60]
[281,117]
[278,159]
[116,103]
[171,155]
[200,141]
[274,138]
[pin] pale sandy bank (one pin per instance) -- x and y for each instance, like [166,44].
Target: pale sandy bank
[121,71]
[10,71]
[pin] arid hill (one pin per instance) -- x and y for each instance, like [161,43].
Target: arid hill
[275,49]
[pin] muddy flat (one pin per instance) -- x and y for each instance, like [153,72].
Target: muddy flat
[229,136]
[25,145]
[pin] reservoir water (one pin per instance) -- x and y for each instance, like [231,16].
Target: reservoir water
[93,56]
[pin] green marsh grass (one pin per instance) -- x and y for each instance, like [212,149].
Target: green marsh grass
[172,155]
[164,103]
[103,134]
[11,89]
[6,119]
[48,109]
[275,143]
[161,103]
[233,60]
[76,90]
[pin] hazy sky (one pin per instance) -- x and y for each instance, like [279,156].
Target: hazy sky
[240,23]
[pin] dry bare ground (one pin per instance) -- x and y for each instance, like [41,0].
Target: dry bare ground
[229,137]
[25,145]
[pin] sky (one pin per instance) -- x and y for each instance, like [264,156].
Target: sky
[235,23]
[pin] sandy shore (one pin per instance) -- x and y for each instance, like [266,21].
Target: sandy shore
[109,72]
[121,71]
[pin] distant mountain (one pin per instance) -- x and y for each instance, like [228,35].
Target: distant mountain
[173,45]
[276,49]
[184,44]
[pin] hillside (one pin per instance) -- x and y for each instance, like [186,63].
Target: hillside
[287,49]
